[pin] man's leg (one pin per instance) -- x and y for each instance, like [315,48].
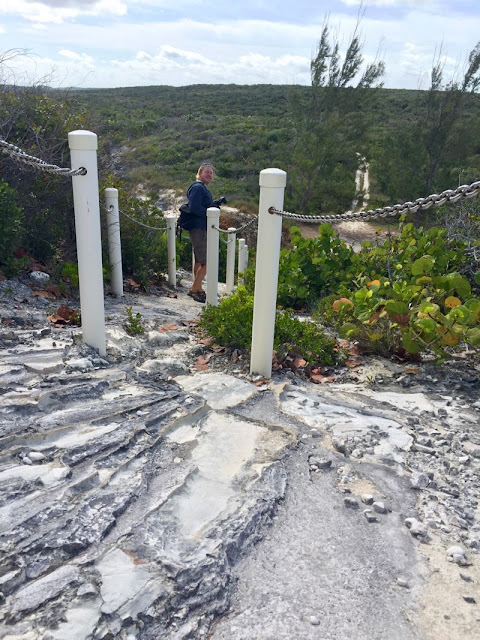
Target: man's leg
[200,271]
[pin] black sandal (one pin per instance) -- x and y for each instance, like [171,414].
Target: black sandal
[198,296]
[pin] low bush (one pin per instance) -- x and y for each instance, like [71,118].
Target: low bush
[230,324]
[407,319]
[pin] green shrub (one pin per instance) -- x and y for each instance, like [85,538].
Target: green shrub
[70,274]
[133,323]
[404,317]
[11,219]
[313,267]
[230,323]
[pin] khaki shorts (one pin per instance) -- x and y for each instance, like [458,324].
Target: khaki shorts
[198,238]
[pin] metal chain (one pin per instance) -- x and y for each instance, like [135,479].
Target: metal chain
[255,219]
[138,221]
[20,156]
[436,200]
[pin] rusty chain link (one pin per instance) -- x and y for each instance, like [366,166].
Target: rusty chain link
[436,200]
[20,156]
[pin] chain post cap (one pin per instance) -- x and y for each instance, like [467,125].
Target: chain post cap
[213,212]
[81,140]
[111,192]
[273,178]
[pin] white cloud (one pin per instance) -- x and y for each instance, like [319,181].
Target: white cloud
[187,67]
[60,11]
[82,58]
[133,50]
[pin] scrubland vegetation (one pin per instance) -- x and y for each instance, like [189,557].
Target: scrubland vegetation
[415,293]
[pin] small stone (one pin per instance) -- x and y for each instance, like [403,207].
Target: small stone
[40,277]
[370,516]
[379,507]
[351,503]
[367,498]
[315,433]
[417,529]
[313,620]
[469,599]
[26,460]
[402,582]
[409,521]
[419,481]
[456,551]
[36,456]
[320,463]
[340,445]
[465,576]
[459,559]
[177,460]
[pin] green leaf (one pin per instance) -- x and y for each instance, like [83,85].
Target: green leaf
[459,283]
[429,307]
[476,277]
[474,306]
[460,314]
[473,337]
[422,266]
[347,330]
[410,344]
[394,306]
[426,325]
[423,280]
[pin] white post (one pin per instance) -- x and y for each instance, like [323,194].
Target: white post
[213,219]
[83,153]
[230,277]
[171,250]
[272,188]
[241,260]
[114,243]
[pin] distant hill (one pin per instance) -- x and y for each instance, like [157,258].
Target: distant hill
[158,135]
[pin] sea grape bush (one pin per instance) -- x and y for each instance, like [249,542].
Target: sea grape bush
[411,294]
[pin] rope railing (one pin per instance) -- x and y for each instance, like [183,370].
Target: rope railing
[142,224]
[20,156]
[433,200]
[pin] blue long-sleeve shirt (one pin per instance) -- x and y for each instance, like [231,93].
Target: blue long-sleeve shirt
[199,200]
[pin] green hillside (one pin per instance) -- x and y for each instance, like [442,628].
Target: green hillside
[158,135]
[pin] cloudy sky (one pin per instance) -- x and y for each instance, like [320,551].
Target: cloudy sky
[117,43]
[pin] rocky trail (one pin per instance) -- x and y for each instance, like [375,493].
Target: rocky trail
[161,492]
